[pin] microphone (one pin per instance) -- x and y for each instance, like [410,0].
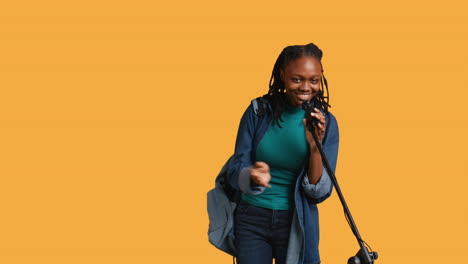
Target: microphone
[308,107]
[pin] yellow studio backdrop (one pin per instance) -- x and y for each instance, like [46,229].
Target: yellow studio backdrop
[116,116]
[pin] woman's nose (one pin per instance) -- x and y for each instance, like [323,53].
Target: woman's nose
[309,89]
[306,87]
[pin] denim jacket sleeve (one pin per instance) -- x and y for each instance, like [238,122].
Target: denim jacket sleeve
[317,193]
[239,170]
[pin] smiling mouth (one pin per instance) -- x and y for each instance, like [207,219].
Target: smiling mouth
[304,96]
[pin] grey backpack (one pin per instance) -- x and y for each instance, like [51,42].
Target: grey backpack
[222,201]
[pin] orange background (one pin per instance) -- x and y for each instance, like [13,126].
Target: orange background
[115,118]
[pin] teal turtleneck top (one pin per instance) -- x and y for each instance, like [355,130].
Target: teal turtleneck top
[285,150]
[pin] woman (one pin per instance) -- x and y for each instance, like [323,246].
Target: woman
[277,165]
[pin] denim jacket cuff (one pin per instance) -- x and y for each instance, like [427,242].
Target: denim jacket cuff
[246,185]
[318,190]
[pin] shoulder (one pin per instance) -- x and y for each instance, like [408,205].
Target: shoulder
[330,117]
[332,130]
[262,105]
[258,112]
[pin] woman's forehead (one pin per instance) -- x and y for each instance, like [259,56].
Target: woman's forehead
[305,64]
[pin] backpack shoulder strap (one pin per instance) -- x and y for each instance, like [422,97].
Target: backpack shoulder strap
[259,106]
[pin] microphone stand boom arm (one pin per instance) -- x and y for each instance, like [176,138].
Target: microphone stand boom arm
[364,256]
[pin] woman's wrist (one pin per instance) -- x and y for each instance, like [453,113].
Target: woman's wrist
[313,149]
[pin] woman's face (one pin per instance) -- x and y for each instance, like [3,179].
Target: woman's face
[302,78]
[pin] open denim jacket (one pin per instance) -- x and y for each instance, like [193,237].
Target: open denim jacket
[304,234]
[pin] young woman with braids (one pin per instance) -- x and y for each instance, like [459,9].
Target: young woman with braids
[277,165]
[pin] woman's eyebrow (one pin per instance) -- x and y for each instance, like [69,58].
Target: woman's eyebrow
[313,76]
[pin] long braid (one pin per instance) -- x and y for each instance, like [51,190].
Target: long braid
[276,93]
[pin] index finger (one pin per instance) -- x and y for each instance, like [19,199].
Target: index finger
[261,165]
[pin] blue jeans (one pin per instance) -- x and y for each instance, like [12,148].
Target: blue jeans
[261,234]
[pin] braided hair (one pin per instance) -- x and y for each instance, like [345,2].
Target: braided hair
[276,94]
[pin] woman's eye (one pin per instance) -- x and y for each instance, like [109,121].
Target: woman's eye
[296,80]
[314,81]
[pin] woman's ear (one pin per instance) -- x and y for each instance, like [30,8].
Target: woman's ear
[282,75]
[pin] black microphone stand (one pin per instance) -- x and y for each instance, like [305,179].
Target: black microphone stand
[364,255]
